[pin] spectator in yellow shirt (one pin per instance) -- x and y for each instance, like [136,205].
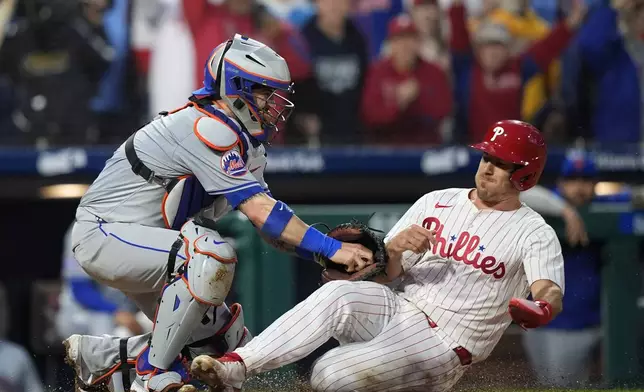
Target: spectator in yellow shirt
[525,26]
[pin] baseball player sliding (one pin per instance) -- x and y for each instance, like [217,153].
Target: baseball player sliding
[457,260]
[134,229]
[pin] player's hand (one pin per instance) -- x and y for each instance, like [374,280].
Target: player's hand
[128,320]
[414,238]
[575,228]
[406,92]
[354,256]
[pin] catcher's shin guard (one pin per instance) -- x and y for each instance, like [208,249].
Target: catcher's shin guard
[203,281]
[229,332]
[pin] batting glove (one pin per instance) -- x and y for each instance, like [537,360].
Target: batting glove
[530,314]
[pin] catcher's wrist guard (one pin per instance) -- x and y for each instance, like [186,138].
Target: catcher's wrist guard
[318,243]
[358,233]
[277,220]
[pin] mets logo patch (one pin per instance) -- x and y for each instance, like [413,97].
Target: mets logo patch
[232,164]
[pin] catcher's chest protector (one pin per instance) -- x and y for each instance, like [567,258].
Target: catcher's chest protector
[185,199]
[185,196]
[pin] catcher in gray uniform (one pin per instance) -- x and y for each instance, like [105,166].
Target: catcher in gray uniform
[143,226]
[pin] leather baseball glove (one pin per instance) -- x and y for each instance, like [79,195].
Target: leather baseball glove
[358,233]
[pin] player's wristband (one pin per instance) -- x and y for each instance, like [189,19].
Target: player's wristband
[277,220]
[316,242]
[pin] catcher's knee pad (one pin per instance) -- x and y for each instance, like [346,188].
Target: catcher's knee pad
[210,264]
[203,281]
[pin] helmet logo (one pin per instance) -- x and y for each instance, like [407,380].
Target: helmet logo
[498,131]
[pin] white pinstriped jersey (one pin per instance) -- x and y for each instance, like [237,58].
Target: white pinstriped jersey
[482,259]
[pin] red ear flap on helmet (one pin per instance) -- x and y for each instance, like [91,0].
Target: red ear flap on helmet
[519,143]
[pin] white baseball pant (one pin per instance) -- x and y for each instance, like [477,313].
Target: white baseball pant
[128,257]
[386,342]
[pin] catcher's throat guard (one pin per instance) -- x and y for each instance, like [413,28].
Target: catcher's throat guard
[357,233]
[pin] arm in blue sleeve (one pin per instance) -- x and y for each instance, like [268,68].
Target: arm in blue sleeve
[86,293]
[462,65]
[462,69]
[599,38]
[242,193]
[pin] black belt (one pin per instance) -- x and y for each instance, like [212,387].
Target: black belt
[172,257]
[139,168]
[125,365]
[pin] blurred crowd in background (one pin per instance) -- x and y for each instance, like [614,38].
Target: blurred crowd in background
[385,72]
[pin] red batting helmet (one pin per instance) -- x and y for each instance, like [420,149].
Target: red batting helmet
[519,143]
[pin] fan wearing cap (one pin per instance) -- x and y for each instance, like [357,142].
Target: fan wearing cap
[406,99]
[489,81]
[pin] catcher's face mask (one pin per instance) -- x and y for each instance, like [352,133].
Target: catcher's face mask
[269,107]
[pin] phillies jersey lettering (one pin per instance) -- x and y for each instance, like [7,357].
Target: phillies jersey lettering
[482,258]
[466,249]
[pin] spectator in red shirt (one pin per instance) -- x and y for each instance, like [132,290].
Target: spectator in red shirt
[213,24]
[406,98]
[286,40]
[488,80]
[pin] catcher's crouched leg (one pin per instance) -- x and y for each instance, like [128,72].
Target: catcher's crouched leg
[103,363]
[203,281]
[106,363]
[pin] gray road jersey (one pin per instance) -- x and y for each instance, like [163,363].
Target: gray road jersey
[172,146]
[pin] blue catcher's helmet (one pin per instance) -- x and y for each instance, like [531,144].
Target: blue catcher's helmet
[254,81]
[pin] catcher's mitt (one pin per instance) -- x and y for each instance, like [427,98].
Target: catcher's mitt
[359,233]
